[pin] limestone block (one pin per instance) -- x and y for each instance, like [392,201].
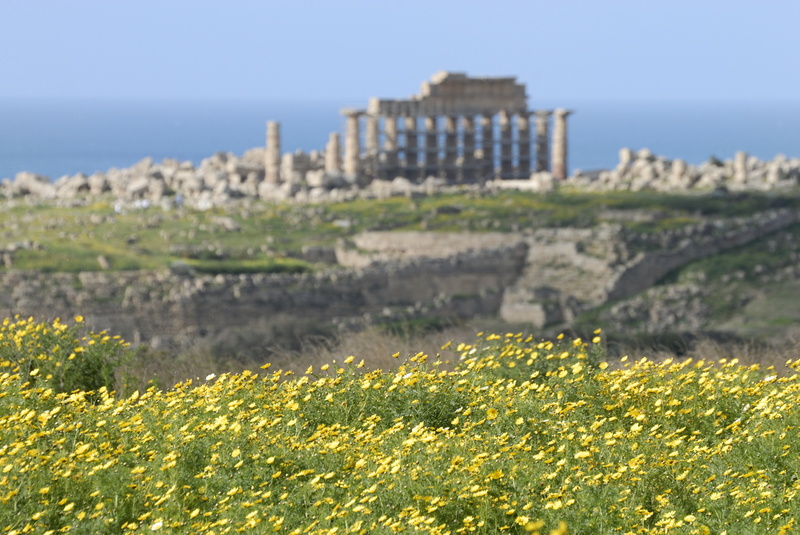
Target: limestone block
[142,166]
[221,188]
[401,186]
[157,189]
[337,180]
[317,178]
[255,156]
[774,172]
[317,194]
[212,178]
[138,187]
[183,175]
[27,183]
[278,192]
[217,161]
[243,167]
[69,187]
[235,180]
[192,185]
[98,184]
[543,181]
[677,171]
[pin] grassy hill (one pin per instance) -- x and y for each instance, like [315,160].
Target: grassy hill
[258,236]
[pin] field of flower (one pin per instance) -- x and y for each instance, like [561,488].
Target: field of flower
[520,435]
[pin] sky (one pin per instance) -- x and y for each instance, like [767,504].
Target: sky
[563,50]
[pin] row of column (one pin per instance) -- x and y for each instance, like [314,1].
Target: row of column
[457,152]
[463,156]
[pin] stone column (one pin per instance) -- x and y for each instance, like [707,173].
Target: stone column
[431,147]
[371,135]
[542,140]
[506,148]
[487,147]
[412,147]
[388,168]
[740,167]
[450,147]
[677,173]
[289,171]
[467,167]
[524,146]
[560,169]
[272,155]
[352,146]
[371,145]
[333,158]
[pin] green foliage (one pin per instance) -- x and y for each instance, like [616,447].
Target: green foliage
[61,357]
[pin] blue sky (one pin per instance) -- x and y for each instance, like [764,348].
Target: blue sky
[564,50]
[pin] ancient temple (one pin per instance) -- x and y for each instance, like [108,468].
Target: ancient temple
[458,127]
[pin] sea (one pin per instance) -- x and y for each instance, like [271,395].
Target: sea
[64,137]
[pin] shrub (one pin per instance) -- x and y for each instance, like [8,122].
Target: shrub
[64,357]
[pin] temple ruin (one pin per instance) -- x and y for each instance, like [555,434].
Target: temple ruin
[460,128]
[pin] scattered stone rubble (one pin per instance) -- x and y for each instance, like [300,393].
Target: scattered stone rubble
[644,171]
[306,178]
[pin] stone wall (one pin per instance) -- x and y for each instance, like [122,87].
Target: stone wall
[569,271]
[173,310]
[700,241]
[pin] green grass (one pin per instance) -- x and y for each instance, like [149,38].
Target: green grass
[71,239]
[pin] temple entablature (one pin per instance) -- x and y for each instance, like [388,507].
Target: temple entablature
[453,93]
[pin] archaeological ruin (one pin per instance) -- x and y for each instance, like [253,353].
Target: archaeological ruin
[458,133]
[460,128]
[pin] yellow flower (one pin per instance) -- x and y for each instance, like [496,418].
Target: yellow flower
[535,525]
